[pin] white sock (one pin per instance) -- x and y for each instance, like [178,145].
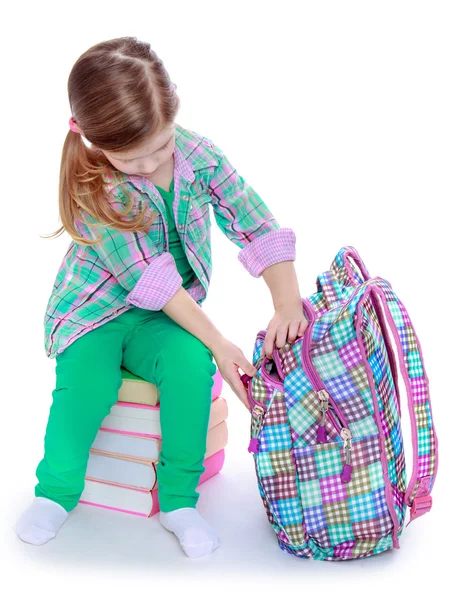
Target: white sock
[41,521]
[195,535]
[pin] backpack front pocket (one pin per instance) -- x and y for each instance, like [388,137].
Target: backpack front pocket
[276,472]
[350,516]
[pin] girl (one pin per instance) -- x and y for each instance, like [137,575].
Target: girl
[130,287]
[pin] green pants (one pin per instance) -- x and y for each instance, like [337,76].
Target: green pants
[153,346]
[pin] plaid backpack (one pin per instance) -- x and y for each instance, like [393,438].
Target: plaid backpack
[326,421]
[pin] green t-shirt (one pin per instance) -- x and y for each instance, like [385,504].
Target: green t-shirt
[175,244]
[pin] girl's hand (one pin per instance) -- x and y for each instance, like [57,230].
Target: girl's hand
[229,358]
[287,324]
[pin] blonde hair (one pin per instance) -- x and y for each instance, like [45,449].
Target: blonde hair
[120,96]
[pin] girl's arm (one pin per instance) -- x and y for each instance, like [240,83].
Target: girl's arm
[244,218]
[283,284]
[187,313]
[228,357]
[151,277]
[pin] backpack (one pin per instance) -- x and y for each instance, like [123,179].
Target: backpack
[326,421]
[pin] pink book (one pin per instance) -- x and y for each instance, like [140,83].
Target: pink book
[135,501]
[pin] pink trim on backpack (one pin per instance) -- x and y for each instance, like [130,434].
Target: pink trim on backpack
[424,482]
[388,491]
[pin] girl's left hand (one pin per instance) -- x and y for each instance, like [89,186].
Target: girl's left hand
[287,324]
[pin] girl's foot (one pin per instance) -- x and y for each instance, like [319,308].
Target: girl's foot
[195,535]
[41,521]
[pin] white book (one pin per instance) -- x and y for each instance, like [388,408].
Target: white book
[139,472]
[137,501]
[141,420]
[127,445]
[117,498]
[118,470]
[135,447]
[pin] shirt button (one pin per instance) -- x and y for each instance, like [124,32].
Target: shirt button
[181,226]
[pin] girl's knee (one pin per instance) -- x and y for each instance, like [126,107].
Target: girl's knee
[193,358]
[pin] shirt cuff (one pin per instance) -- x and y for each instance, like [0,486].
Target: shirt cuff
[157,285]
[269,248]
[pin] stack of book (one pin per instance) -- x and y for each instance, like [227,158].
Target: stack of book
[121,471]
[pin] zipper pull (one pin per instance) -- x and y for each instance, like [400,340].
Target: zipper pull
[346,435]
[245,379]
[322,436]
[257,414]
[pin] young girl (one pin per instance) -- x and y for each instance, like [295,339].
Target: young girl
[130,287]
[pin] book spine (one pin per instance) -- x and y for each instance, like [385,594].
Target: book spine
[213,465]
[217,415]
[217,437]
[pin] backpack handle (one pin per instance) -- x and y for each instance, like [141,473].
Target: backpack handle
[347,272]
[353,276]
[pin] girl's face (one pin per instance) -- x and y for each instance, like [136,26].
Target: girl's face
[147,159]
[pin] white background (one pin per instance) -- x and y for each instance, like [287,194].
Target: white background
[342,116]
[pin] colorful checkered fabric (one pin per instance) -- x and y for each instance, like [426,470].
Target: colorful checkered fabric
[96,283]
[332,477]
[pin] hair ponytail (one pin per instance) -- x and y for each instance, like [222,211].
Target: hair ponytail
[121,95]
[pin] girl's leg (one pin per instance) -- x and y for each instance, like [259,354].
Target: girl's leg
[88,379]
[182,368]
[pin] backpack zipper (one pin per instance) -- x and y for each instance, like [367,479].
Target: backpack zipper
[257,415]
[257,411]
[324,397]
[346,435]
[315,380]
[266,375]
[322,436]
[257,408]
[246,379]
[322,394]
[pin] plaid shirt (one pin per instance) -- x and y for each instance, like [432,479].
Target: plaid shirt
[96,283]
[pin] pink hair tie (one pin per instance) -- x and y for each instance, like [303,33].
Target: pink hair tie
[73,125]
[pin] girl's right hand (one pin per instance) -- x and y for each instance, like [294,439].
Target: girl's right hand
[229,359]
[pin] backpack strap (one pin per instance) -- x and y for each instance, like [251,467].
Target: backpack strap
[424,438]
